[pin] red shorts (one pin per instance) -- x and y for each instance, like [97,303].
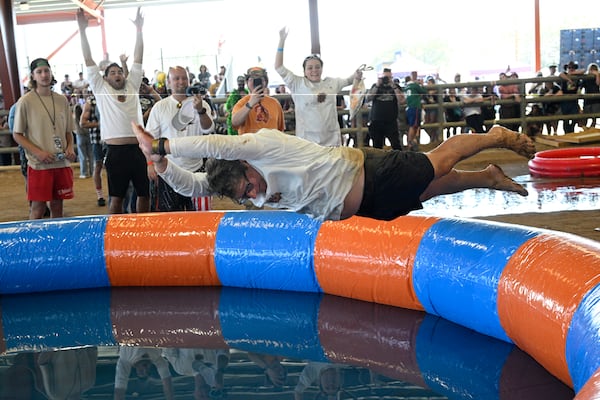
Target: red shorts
[49,184]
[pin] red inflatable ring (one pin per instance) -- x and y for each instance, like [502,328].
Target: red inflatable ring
[566,163]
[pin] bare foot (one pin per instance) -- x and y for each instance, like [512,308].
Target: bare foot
[503,182]
[519,143]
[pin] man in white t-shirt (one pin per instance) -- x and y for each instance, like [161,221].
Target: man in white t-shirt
[179,115]
[117,98]
[80,85]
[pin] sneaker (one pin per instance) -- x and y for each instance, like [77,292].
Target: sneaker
[84,176]
[101,202]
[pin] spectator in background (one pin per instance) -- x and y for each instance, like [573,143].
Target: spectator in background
[90,119]
[287,105]
[148,97]
[472,109]
[431,114]
[47,137]
[510,110]
[314,97]
[119,104]
[212,89]
[257,110]
[453,113]
[414,96]
[340,105]
[84,146]
[193,79]
[80,86]
[235,96]
[66,87]
[5,141]
[569,86]
[591,85]
[204,77]
[179,115]
[385,97]
[550,107]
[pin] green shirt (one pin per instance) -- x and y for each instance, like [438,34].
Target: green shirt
[414,93]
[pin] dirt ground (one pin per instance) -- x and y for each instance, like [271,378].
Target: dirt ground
[582,223]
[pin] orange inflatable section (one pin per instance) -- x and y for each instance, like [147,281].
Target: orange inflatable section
[591,389]
[539,291]
[196,323]
[370,260]
[162,249]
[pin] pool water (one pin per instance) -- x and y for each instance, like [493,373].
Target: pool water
[250,344]
[545,195]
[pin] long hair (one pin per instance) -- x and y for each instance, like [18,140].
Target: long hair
[224,176]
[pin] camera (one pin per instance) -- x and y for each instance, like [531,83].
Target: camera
[194,90]
[59,156]
[385,80]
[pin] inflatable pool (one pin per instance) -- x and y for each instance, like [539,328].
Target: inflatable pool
[535,288]
[566,163]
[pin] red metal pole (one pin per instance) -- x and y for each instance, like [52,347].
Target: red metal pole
[538,61]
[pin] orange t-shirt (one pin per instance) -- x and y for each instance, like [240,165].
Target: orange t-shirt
[265,114]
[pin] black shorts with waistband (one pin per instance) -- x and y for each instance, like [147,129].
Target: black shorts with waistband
[394,181]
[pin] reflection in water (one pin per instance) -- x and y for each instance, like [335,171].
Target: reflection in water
[207,343]
[545,195]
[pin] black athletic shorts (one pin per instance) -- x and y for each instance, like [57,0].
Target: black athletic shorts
[125,163]
[394,181]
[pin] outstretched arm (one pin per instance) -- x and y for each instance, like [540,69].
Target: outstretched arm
[82,21]
[279,55]
[145,140]
[138,53]
[123,58]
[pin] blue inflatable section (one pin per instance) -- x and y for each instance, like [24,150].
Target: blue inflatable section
[61,253]
[274,260]
[463,364]
[582,342]
[267,322]
[457,269]
[57,319]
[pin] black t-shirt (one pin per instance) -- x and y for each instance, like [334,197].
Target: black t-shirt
[385,104]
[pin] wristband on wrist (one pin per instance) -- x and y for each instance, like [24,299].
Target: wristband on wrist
[149,163]
[248,106]
[158,146]
[161,146]
[280,49]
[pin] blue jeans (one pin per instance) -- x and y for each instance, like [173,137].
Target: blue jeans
[85,155]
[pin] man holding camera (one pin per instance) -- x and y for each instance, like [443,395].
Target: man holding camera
[257,109]
[180,114]
[385,97]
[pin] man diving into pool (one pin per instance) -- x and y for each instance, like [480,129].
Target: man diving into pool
[274,169]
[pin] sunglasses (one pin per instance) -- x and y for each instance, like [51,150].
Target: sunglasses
[313,57]
[248,189]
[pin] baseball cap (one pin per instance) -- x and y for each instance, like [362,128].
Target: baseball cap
[39,62]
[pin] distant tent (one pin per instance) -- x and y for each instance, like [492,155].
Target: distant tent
[405,63]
